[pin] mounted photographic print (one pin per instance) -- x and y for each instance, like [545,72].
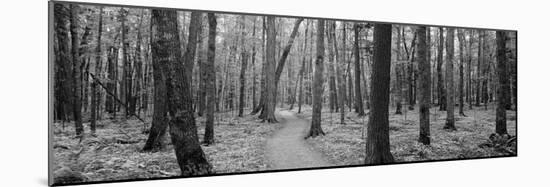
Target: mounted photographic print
[140,93]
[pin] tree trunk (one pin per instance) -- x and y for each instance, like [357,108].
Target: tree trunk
[503,81]
[210,80]
[95,91]
[469,70]
[331,73]
[398,87]
[449,71]
[440,86]
[63,60]
[244,64]
[425,86]
[195,27]
[378,138]
[254,100]
[478,69]
[270,82]
[315,129]
[461,73]
[339,74]
[183,132]
[358,97]
[76,71]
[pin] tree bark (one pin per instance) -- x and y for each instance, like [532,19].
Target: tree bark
[449,76]
[339,74]
[270,82]
[315,129]
[440,86]
[244,64]
[425,86]
[63,60]
[210,80]
[461,73]
[183,132]
[398,86]
[378,139]
[503,81]
[76,71]
[331,72]
[358,97]
[95,91]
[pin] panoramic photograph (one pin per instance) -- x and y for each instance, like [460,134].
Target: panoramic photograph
[146,93]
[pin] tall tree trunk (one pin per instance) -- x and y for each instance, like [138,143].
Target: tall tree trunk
[378,137]
[440,86]
[191,48]
[280,66]
[210,80]
[398,87]
[302,71]
[201,91]
[263,88]
[331,73]
[512,49]
[469,70]
[95,91]
[461,73]
[76,71]
[339,74]
[449,79]
[244,64]
[254,100]
[63,59]
[270,82]
[315,129]
[425,86]
[358,97]
[183,132]
[478,68]
[503,81]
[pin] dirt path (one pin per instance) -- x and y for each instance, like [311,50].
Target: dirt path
[287,148]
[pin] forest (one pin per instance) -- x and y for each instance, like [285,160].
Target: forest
[144,93]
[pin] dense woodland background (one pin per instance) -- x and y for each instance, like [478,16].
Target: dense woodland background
[131,74]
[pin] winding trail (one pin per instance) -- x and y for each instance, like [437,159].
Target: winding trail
[287,149]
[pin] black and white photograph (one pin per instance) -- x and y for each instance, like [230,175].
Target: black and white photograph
[141,93]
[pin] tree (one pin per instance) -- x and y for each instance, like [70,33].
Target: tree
[398,87]
[478,69]
[210,80]
[270,82]
[503,81]
[339,74]
[161,102]
[378,138]
[425,86]
[244,59]
[315,129]
[63,61]
[358,98]
[95,91]
[440,86]
[461,44]
[192,41]
[331,72]
[76,71]
[183,132]
[279,69]
[449,70]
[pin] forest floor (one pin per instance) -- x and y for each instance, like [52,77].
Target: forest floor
[244,144]
[344,144]
[287,148]
[115,153]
